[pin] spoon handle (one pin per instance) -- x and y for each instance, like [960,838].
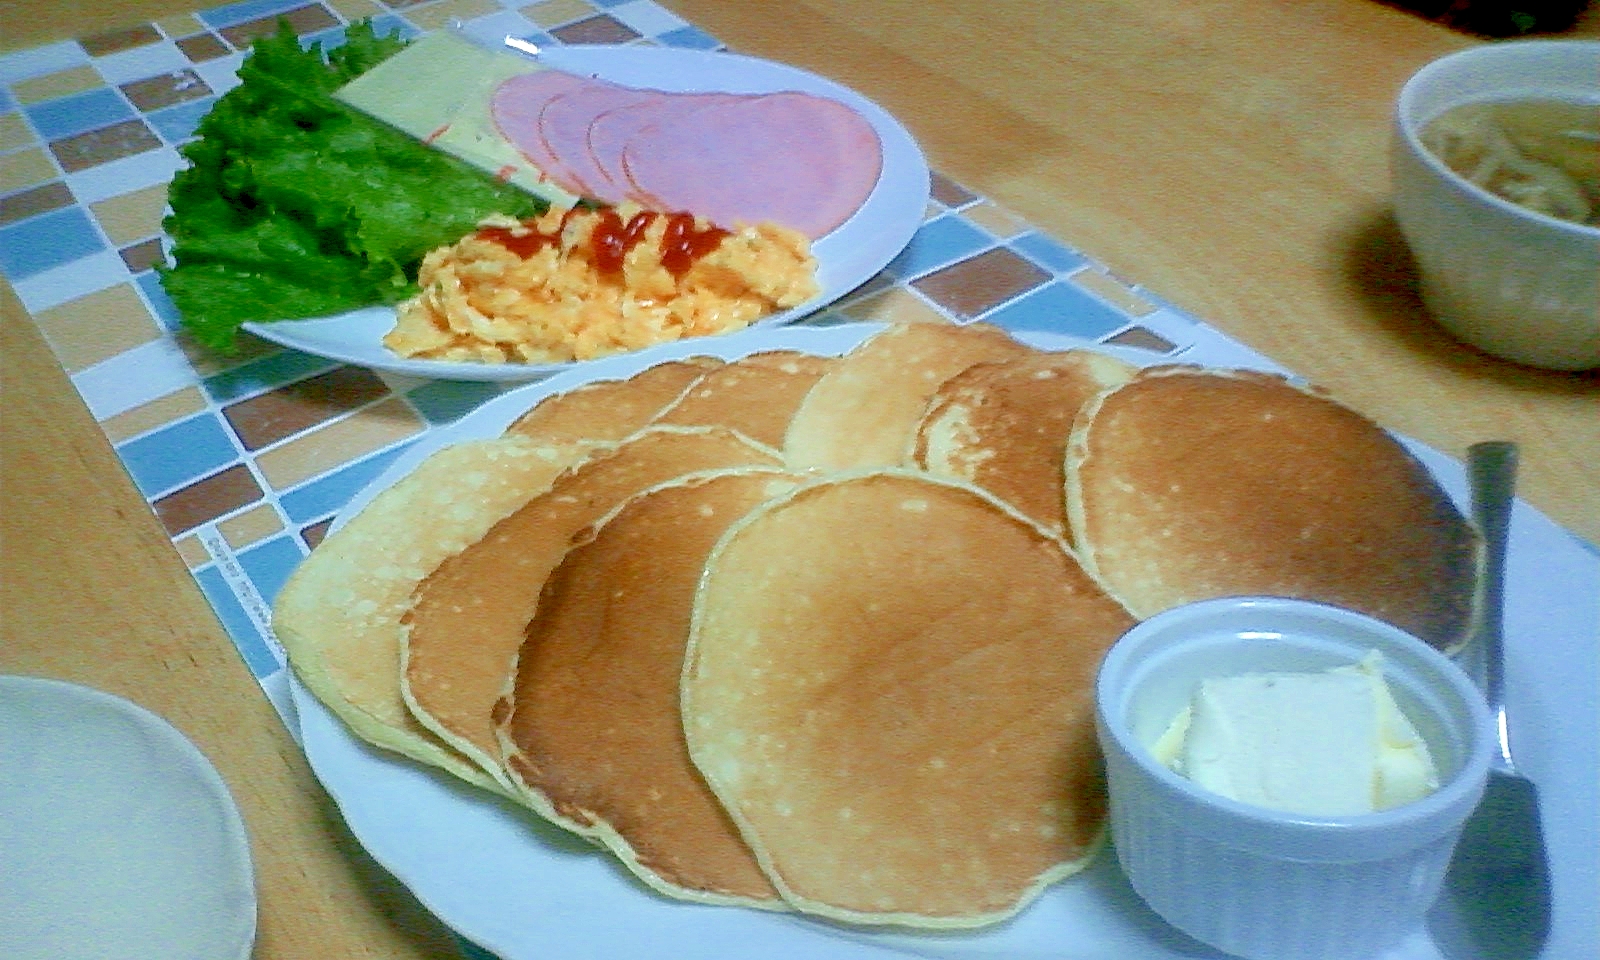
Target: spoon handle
[1492,470]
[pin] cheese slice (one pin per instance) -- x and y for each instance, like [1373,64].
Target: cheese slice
[438,89]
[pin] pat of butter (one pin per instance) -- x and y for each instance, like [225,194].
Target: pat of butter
[438,89]
[1329,744]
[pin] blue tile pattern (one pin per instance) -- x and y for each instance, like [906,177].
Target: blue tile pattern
[1048,252]
[79,113]
[1060,307]
[260,375]
[938,242]
[233,13]
[178,453]
[177,124]
[446,401]
[257,654]
[268,564]
[49,240]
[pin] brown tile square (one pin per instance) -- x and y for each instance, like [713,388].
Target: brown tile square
[402,4]
[117,41]
[207,499]
[202,47]
[19,206]
[142,256]
[264,420]
[970,287]
[164,91]
[317,532]
[600,29]
[1142,338]
[948,192]
[104,145]
[302,20]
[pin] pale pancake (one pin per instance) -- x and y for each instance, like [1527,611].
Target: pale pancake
[889,685]
[610,410]
[865,410]
[338,616]
[1187,484]
[1004,426]
[467,617]
[756,395]
[593,730]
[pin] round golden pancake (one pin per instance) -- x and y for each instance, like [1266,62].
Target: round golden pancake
[756,395]
[889,685]
[1187,484]
[864,411]
[339,614]
[1004,426]
[611,410]
[593,729]
[467,617]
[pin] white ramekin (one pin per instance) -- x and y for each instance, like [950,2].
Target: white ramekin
[1264,884]
[1518,284]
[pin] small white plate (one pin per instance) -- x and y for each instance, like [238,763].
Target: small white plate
[849,256]
[117,837]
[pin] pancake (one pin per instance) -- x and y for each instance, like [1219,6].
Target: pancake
[610,410]
[1187,484]
[755,395]
[593,730]
[865,410]
[339,614]
[467,617]
[1004,426]
[902,734]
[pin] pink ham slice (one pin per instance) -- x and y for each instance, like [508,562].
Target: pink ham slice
[803,161]
[516,106]
[611,131]
[795,159]
[564,127]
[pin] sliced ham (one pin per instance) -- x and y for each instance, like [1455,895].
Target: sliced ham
[611,131]
[802,161]
[516,105]
[564,127]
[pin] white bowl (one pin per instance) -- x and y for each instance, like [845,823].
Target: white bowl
[1513,282]
[1260,883]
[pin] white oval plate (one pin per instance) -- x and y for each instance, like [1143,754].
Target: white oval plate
[117,836]
[524,889]
[849,256]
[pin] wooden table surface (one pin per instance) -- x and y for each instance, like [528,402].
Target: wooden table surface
[1230,156]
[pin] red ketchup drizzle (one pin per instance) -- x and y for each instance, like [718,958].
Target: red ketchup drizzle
[524,244]
[611,239]
[682,244]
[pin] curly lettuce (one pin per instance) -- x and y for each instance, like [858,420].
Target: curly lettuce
[295,205]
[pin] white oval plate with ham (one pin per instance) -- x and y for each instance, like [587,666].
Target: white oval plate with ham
[846,257]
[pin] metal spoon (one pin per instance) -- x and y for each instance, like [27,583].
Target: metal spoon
[1496,898]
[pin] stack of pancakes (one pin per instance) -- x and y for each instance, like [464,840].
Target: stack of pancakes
[820,633]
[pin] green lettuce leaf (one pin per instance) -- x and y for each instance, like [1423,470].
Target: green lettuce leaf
[294,205]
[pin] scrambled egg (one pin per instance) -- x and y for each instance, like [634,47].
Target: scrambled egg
[583,283]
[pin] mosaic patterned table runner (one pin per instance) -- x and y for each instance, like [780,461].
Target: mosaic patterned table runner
[245,460]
